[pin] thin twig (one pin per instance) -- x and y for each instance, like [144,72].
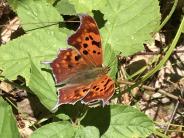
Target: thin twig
[48,23]
[172,116]
[154,89]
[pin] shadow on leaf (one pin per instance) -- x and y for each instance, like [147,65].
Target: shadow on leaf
[98,117]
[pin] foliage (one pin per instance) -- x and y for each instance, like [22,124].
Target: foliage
[117,121]
[124,27]
[8,128]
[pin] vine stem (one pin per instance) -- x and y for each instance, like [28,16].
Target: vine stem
[165,58]
[169,15]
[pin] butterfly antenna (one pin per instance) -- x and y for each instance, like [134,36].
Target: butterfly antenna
[112,62]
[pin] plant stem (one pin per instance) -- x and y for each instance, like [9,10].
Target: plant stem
[165,58]
[168,16]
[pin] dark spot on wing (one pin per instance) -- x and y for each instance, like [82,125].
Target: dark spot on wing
[98,53]
[84,90]
[94,87]
[94,51]
[85,52]
[107,82]
[77,57]
[90,37]
[87,38]
[85,45]
[97,89]
[96,43]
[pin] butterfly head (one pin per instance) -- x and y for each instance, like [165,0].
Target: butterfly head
[106,69]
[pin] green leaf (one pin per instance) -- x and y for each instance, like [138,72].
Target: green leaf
[65,7]
[55,130]
[8,127]
[65,130]
[37,15]
[42,84]
[119,121]
[128,122]
[83,6]
[63,116]
[15,3]
[130,24]
[42,45]
[110,60]
[87,132]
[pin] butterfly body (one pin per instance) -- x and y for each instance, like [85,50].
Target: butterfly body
[85,76]
[80,68]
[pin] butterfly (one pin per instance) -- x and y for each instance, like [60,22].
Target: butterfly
[80,69]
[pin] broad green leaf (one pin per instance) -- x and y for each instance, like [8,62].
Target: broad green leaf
[128,122]
[55,130]
[65,130]
[42,45]
[37,15]
[87,132]
[119,121]
[83,6]
[8,127]
[42,84]
[130,24]
[65,7]
[15,3]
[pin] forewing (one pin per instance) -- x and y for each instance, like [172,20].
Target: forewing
[88,41]
[68,62]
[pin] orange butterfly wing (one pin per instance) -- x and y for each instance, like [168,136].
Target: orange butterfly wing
[64,67]
[86,56]
[67,63]
[72,94]
[101,89]
[87,41]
